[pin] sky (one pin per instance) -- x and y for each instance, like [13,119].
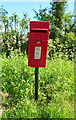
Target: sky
[27,7]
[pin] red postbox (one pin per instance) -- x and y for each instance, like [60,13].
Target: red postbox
[38,43]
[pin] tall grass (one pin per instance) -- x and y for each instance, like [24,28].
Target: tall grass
[56,89]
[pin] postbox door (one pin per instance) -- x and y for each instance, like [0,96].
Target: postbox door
[37,56]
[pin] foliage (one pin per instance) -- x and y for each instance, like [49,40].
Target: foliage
[43,14]
[68,22]
[56,89]
[3,12]
[14,32]
[64,47]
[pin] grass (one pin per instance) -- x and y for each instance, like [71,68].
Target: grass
[56,89]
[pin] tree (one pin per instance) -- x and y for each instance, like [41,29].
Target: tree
[68,23]
[3,12]
[16,20]
[11,20]
[43,14]
[54,15]
[24,26]
[3,17]
[14,31]
[24,23]
[57,10]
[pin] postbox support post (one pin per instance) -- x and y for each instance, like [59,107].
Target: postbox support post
[36,83]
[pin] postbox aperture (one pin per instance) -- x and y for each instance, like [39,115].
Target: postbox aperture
[38,43]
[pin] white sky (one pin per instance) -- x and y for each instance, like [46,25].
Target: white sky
[35,0]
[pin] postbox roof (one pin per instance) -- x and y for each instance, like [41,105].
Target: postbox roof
[39,24]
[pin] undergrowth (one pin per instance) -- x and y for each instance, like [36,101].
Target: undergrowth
[55,90]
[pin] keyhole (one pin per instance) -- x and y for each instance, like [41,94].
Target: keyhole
[38,42]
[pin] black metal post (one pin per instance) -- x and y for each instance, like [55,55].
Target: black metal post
[36,83]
